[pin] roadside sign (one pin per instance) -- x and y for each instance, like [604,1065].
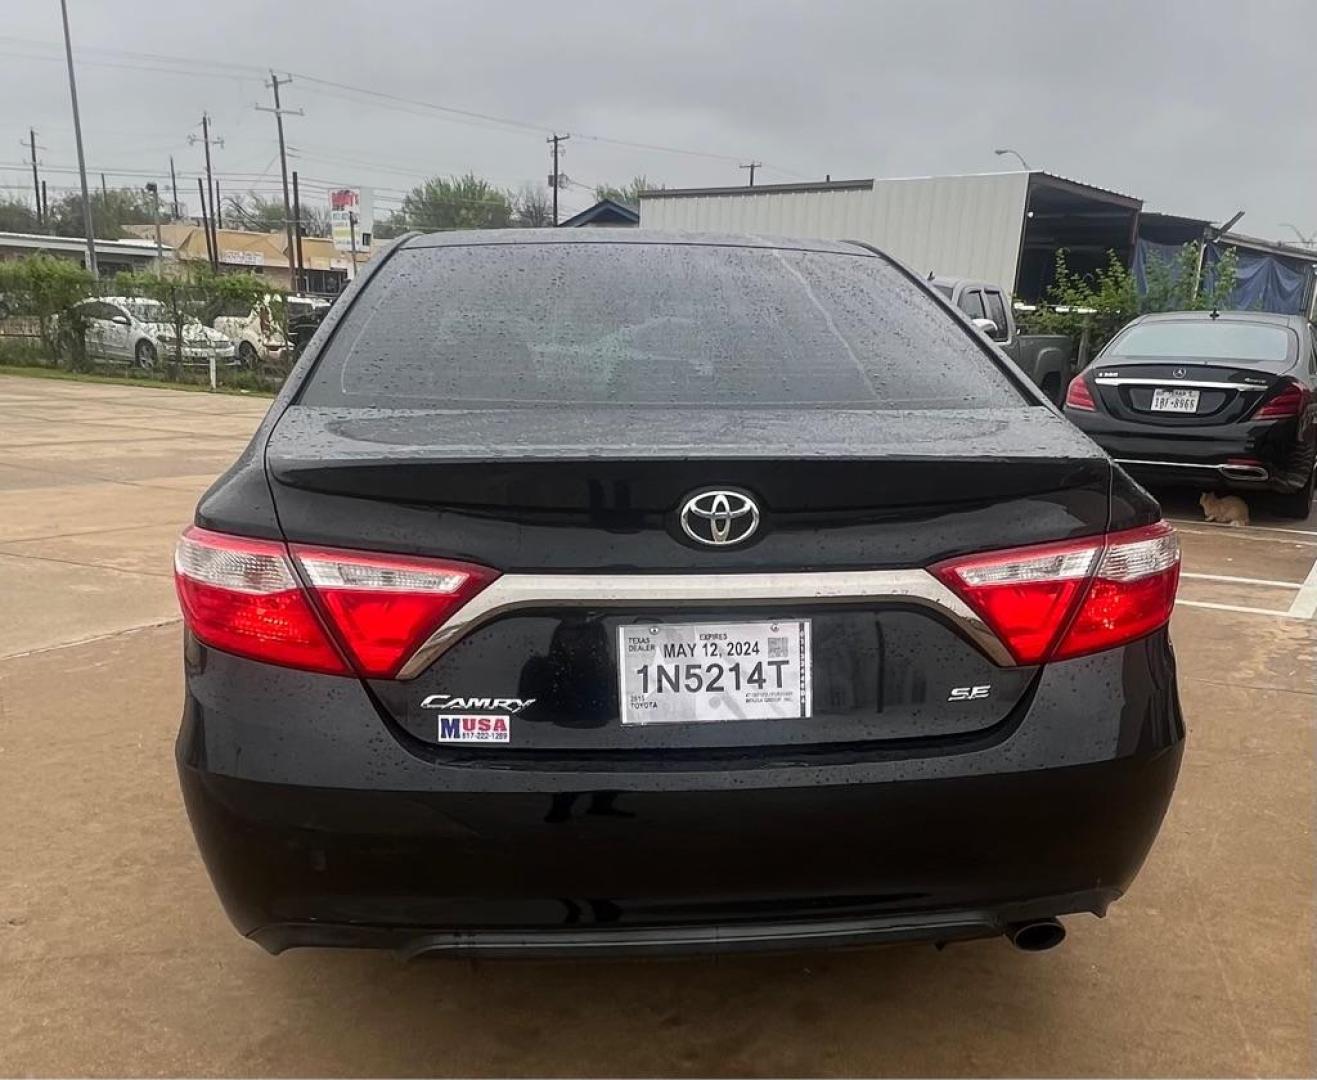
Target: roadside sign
[343,205]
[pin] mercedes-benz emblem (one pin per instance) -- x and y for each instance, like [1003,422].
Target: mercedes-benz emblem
[720,517]
[1179,373]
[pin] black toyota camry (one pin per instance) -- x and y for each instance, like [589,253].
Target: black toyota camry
[623,592]
[1217,400]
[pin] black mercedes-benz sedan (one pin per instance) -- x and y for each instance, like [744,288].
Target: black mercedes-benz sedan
[1218,400]
[591,591]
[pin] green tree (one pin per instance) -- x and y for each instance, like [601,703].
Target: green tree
[627,194]
[46,288]
[532,208]
[467,202]
[17,216]
[1106,300]
[110,212]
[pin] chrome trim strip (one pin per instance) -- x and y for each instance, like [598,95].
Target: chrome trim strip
[513,592]
[1239,472]
[1173,384]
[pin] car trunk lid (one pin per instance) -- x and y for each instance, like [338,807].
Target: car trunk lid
[1182,392]
[556,494]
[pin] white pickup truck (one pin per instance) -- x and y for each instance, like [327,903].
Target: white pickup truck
[1048,359]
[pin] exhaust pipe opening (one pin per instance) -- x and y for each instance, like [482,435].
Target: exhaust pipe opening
[1243,472]
[1037,936]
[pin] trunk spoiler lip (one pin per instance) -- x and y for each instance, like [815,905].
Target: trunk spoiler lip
[519,592]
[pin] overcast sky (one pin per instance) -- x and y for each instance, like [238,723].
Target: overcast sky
[1201,108]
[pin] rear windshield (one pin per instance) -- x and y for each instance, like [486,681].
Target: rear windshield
[650,324]
[1218,340]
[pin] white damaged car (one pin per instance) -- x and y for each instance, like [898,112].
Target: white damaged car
[258,333]
[136,330]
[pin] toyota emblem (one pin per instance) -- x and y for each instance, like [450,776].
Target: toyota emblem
[720,517]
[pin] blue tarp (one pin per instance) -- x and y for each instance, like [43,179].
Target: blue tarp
[1146,251]
[1264,282]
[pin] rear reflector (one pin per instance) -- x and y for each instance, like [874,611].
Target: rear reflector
[1291,401]
[1079,396]
[357,611]
[1053,601]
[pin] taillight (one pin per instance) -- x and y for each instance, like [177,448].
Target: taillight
[382,607]
[358,611]
[1291,401]
[1053,601]
[1079,396]
[242,596]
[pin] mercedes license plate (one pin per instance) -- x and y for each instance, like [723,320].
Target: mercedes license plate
[1175,401]
[694,673]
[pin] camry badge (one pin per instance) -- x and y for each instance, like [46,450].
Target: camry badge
[720,517]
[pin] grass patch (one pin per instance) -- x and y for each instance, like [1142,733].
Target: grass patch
[45,371]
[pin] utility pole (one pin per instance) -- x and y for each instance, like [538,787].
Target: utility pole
[752,166]
[205,223]
[153,190]
[274,84]
[212,240]
[77,137]
[556,179]
[105,192]
[173,182]
[219,208]
[352,240]
[297,222]
[45,207]
[36,183]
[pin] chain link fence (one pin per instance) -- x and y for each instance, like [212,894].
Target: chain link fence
[222,331]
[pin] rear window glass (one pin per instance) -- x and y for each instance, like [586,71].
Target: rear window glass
[650,324]
[1220,340]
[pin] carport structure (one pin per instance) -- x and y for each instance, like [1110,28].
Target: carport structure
[1084,221]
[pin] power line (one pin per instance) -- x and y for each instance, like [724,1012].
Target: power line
[194,66]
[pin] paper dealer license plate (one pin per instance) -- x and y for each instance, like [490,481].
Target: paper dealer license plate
[696,673]
[1175,401]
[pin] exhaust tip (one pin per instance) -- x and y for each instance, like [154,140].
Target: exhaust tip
[1243,471]
[1037,936]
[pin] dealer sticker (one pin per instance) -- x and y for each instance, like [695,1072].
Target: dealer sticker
[465,728]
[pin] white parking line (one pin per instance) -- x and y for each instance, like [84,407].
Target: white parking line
[1244,530]
[1244,580]
[1250,534]
[1240,609]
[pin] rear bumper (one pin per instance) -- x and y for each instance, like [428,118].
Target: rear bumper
[630,871]
[320,826]
[1206,457]
[603,940]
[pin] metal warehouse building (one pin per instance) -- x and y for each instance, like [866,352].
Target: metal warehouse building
[1000,227]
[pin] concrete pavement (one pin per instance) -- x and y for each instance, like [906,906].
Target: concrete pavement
[116,959]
